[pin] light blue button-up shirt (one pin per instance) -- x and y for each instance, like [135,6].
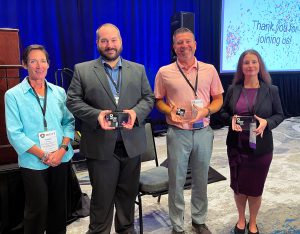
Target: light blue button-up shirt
[114,74]
[24,120]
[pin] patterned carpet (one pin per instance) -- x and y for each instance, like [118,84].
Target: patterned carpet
[280,210]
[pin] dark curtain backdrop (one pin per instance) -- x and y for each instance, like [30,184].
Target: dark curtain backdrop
[67,30]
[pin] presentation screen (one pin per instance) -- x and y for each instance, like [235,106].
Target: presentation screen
[272,27]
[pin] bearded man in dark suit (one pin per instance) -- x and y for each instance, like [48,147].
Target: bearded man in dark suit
[98,88]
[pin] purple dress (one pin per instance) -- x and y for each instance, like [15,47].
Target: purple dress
[248,172]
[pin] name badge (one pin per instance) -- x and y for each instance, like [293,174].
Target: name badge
[48,141]
[252,136]
[199,103]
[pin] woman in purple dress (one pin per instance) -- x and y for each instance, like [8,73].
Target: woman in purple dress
[252,108]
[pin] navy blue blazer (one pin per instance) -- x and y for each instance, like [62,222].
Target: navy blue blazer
[267,106]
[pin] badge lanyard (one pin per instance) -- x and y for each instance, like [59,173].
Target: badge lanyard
[116,85]
[44,105]
[252,125]
[187,80]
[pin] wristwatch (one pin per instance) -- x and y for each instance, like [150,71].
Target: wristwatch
[64,147]
[209,112]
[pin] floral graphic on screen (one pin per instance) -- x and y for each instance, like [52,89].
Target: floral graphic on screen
[232,42]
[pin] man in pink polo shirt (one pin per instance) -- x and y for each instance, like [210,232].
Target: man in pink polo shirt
[183,92]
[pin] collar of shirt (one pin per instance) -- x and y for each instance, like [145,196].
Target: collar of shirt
[184,68]
[26,86]
[119,63]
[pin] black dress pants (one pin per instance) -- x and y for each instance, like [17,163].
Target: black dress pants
[115,183]
[45,200]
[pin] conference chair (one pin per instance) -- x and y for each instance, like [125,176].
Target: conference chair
[65,74]
[154,181]
[63,78]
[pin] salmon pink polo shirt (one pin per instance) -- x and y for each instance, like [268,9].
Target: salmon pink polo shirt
[171,86]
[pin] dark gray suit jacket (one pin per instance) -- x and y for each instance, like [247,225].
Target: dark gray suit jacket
[267,106]
[90,93]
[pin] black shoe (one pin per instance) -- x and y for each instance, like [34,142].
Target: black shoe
[201,228]
[175,232]
[249,232]
[238,230]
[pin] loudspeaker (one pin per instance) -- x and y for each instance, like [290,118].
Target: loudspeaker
[178,20]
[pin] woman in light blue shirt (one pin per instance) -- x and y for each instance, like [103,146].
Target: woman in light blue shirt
[40,128]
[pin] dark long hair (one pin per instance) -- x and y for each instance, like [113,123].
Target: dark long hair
[263,74]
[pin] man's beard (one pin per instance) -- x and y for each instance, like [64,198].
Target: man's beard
[108,58]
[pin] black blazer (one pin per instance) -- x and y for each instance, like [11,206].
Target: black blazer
[90,92]
[267,106]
